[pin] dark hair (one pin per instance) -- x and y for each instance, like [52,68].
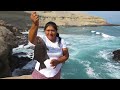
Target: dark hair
[55,27]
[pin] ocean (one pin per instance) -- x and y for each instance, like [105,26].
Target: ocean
[90,50]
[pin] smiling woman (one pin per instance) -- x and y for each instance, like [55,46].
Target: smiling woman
[51,31]
[53,43]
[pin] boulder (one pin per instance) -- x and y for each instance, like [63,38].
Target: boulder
[7,42]
[116,55]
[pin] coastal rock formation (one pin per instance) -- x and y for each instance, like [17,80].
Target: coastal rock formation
[9,62]
[11,37]
[67,18]
[18,19]
[20,38]
[116,55]
[7,42]
[22,21]
[14,22]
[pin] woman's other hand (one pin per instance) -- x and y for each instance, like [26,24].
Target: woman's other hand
[54,63]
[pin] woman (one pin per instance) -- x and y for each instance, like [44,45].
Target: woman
[58,51]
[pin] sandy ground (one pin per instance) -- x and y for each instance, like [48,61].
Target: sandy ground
[19,77]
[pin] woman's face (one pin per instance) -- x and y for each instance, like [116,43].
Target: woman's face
[51,33]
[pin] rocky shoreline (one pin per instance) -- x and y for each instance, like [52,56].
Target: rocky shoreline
[9,61]
[12,23]
[21,19]
[18,19]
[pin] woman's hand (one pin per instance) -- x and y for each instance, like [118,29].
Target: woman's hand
[54,63]
[35,18]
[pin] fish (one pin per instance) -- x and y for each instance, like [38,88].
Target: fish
[40,52]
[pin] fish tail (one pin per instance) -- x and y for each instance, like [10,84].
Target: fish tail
[42,66]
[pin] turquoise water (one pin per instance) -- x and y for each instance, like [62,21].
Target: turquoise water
[90,50]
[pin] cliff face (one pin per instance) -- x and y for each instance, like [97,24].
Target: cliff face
[67,18]
[7,42]
[21,19]
[18,19]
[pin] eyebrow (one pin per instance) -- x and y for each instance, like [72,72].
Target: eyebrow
[50,30]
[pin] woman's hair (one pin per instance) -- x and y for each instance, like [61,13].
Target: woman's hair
[55,27]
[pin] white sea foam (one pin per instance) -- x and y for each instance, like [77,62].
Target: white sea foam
[89,70]
[93,31]
[28,49]
[80,46]
[113,70]
[98,33]
[107,37]
[25,32]
[105,54]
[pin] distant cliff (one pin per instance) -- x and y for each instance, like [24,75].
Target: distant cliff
[22,21]
[67,18]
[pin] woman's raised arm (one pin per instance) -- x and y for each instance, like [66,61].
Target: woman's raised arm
[32,36]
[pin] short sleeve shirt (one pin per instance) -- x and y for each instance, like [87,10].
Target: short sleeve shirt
[55,51]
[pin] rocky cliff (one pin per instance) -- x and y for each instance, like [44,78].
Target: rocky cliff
[21,19]
[18,19]
[67,18]
[7,42]
[11,22]
[10,37]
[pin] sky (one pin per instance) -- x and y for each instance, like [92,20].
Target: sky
[110,16]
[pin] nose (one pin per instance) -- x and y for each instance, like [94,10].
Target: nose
[52,31]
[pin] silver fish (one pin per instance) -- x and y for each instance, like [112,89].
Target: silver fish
[40,52]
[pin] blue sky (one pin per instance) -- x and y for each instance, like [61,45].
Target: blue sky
[110,16]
